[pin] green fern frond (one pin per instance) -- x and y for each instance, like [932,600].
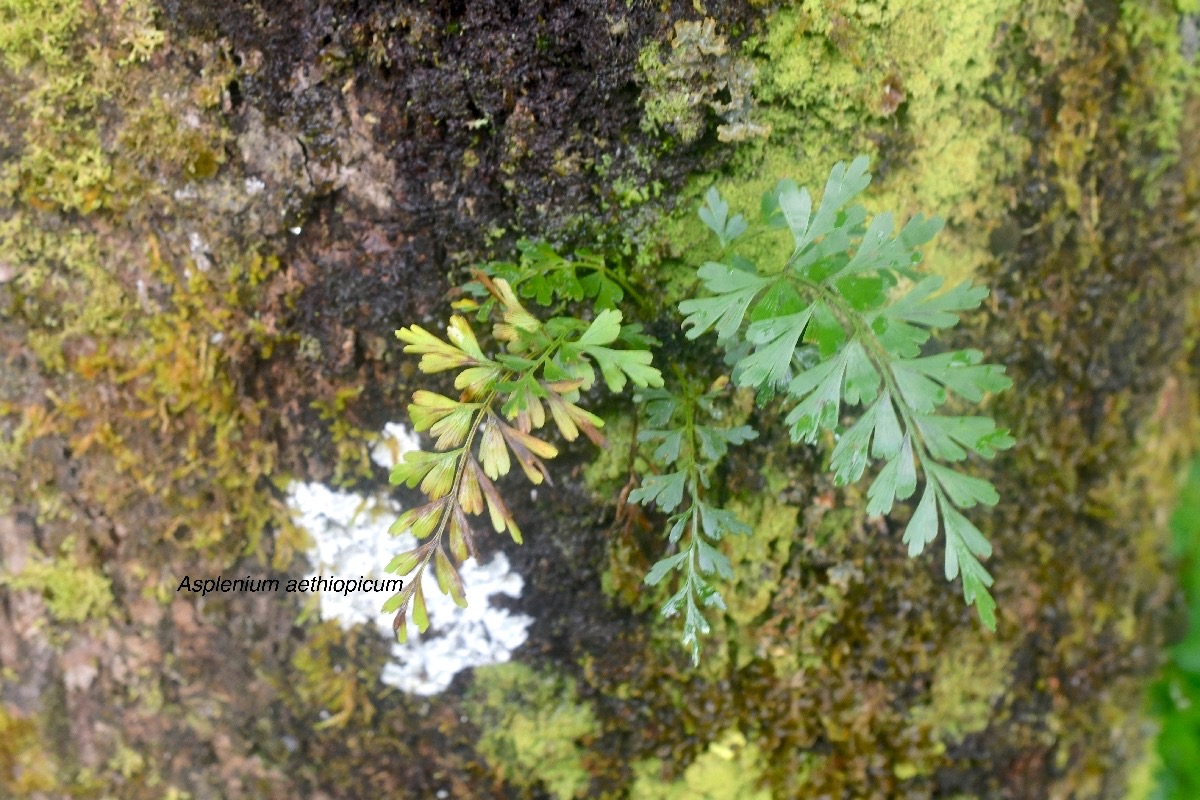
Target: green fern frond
[543,275]
[845,321]
[688,446]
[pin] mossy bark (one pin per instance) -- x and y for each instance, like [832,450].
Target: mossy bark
[213,216]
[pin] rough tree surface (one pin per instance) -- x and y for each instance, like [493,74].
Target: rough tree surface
[212,216]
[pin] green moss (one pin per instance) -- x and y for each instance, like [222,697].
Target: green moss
[966,687]
[919,87]
[1165,82]
[330,682]
[127,762]
[730,769]
[759,559]
[120,316]
[533,728]
[609,470]
[351,441]
[33,31]
[838,610]
[73,593]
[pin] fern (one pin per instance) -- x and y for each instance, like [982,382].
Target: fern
[542,366]
[845,320]
[543,275]
[688,449]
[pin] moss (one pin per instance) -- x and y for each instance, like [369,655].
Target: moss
[730,769]
[25,768]
[966,687]
[759,559]
[32,31]
[152,365]
[533,728]
[953,103]
[914,86]
[351,442]
[106,304]
[1143,777]
[331,684]
[1164,82]
[127,392]
[127,763]
[609,470]
[73,592]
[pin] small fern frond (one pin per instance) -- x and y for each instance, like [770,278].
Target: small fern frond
[492,423]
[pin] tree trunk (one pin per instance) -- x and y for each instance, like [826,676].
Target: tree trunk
[214,215]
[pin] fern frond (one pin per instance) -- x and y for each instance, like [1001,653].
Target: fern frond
[849,299]
[688,448]
[479,435]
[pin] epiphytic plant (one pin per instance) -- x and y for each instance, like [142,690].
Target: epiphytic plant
[689,443]
[844,319]
[503,399]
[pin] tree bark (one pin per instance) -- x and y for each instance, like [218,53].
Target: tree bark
[213,217]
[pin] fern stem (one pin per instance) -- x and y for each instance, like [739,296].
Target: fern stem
[879,357]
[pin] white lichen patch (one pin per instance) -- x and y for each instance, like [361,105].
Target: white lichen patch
[199,251]
[394,442]
[350,533]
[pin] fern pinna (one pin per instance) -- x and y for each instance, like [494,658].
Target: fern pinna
[844,319]
[504,398]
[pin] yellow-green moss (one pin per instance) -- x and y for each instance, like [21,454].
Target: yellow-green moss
[1165,82]
[534,730]
[25,767]
[33,31]
[135,327]
[966,686]
[758,559]
[913,85]
[1143,777]
[73,593]
[351,441]
[138,289]
[730,769]
[330,682]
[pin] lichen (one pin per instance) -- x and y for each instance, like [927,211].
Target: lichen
[699,74]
